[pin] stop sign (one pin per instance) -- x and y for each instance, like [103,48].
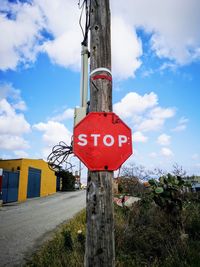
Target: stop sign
[102,141]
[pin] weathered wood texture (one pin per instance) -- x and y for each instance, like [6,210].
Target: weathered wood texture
[100,55]
[100,225]
[100,232]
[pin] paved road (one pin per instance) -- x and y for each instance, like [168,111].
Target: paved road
[23,227]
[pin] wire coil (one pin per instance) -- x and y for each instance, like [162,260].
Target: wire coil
[59,156]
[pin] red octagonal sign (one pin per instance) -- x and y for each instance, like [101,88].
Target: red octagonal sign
[102,141]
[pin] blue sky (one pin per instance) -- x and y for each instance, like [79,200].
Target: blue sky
[155,64]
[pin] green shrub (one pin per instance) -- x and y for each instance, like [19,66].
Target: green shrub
[191,216]
[146,236]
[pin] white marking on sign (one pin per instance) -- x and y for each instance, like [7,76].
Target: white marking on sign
[95,138]
[83,141]
[105,140]
[122,140]
[108,140]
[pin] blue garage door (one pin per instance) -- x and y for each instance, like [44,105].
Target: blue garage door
[10,186]
[34,178]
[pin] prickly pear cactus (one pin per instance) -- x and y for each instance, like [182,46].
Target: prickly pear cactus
[168,192]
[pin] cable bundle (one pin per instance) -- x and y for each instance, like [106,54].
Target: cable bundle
[59,156]
[85,5]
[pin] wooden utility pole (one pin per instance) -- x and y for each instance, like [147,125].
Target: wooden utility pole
[100,225]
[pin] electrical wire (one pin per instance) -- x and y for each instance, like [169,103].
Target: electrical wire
[59,156]
[81,6]
[86,4]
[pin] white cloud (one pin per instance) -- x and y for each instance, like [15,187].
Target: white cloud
[24,35]
[153,155]
[143,111]
[126,49]
[182,125]
[134,103]
[152,124]
[61,19]
[139,137]
[166,152]
[156,119]
[12,142]
[64,50]
[20,34]
[54,132]
[21,105]
[162,113]
[60,16]
[195,156]
[7,91]
[168,65]
[173,25]
[21,153]
[183,120]
[164,140]
[11,122]
[147,73]
[179,128]
[67,114]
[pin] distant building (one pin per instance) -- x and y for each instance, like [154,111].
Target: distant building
[195,182]
[196,187]
[26,178]
[77,180]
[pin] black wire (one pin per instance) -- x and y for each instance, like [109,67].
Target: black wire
[81,6]
[87,5]
[59,156]
[87,24]
[95,86]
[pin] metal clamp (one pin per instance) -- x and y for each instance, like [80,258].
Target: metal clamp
[102,70]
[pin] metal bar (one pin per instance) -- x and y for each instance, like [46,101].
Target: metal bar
[84,76]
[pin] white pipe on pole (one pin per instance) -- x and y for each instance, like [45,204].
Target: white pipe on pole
[84,76]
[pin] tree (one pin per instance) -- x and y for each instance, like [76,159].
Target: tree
[68,180]
[135,171]
[178,170]
[132,175]
[130,185]
[159,172]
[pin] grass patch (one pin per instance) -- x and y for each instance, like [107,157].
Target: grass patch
[66,247]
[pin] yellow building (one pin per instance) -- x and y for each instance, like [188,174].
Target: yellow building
[33,178]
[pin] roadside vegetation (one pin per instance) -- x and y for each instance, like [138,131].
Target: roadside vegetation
[162,229]
[146,235]
[66,247]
